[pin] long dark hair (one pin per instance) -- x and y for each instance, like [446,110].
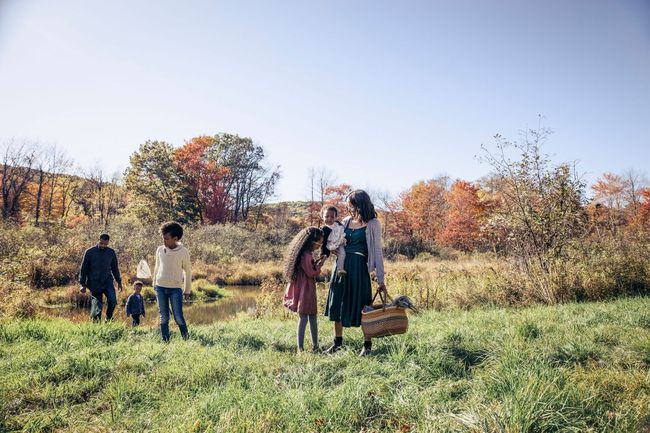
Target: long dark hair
[301,242]
[360,200]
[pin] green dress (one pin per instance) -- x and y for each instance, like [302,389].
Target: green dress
[349,294]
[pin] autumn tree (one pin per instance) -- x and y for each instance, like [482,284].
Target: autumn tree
[206,179]
[617,200]
[159,190]
[633,185]
[609,201]
[398,236]
[336,195]
[425,208]
[462,229]
[643,216]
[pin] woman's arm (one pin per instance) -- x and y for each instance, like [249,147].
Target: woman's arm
[379,254]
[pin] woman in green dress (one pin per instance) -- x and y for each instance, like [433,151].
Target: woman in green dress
[363,255]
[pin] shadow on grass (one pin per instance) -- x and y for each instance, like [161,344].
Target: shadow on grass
[454,345]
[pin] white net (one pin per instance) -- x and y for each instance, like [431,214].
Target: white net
[143,270]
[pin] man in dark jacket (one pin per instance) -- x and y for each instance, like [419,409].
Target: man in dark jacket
[98,268]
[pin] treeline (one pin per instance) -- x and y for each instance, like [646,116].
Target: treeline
[527,205]
[222,178]
[208,180]
[42,184]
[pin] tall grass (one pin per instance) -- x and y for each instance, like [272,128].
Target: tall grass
[575,367]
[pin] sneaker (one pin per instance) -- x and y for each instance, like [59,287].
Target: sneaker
[365,352]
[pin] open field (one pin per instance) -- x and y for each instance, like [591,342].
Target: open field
[574,367]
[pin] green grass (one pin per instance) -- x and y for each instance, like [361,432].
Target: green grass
[569,368]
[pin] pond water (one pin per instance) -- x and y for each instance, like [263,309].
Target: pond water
[241,299]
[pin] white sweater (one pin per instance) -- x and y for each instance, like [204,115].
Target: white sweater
[170,267]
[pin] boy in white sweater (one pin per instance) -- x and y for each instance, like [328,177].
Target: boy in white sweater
[172,278]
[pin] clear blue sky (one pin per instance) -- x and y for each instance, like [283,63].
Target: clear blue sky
[385,93]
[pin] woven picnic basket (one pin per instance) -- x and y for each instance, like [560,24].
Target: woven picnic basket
[385,319]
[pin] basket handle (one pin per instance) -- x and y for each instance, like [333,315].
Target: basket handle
[382,298]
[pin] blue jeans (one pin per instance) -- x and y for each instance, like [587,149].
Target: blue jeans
[96,302]
[165,296]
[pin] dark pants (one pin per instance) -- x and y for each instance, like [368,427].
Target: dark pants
[96,302]
[136,319]
[165,296]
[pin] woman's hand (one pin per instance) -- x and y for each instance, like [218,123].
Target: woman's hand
[382,288]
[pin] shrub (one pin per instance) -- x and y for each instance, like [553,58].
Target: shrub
[18,301]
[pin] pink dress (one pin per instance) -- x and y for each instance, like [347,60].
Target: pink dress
[300,295]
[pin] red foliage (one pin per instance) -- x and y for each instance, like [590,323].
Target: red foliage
[334,195]
[205,178]
[462,228]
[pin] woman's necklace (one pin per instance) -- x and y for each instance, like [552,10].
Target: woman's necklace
[358,224]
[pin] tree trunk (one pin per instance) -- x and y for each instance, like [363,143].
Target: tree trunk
[39,195]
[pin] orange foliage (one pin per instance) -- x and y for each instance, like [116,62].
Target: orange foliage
[425,208]
[466,211]
[642,219]
[52,199]
[609,190]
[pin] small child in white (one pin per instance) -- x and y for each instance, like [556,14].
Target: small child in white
[334,238]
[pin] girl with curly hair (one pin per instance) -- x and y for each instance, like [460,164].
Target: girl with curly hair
[301,270]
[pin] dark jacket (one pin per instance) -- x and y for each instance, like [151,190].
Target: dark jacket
[323,249]
[98,268]
[135,305]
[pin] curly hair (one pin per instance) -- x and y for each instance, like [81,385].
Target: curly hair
[301,242]
[173,228]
